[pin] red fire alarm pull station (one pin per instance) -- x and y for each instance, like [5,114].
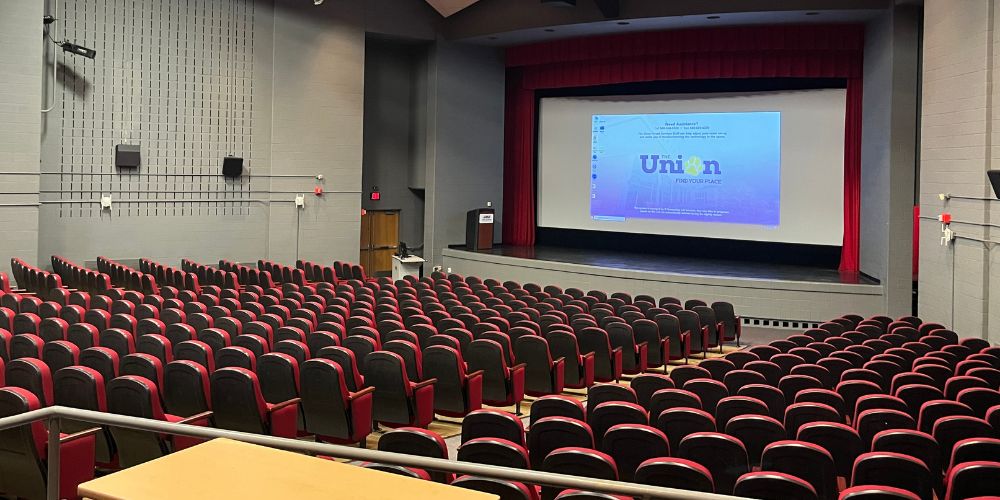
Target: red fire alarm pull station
[318,190]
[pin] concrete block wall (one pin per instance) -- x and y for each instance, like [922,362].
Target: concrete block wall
[959,143]
[20,105]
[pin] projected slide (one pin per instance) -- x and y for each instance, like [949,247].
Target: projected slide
[705,167]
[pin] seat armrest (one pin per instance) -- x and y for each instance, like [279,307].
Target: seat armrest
[360,393]
[430,381]
[475,374]
[587,355]
[205,415]
[616,350]
[558,360]
[643,345]
[82,434]
[519,367]
[293,401]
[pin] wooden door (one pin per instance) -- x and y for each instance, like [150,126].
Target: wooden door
[379,240]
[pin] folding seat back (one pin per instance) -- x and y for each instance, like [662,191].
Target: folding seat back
[773,485]
[681,374]
[60,354]
[187,391]
[771,396]
[915,395]
[411,355]
[675,473]
[799,414]
[32,375]
[493,424]
[583,462]
[736,379]
[502,384]
[397,401]
[824,396]
[150,326]
[957,384]
[841,441]
[416,442]
[980,399]
[878,402]
[52,329]
[723,455]
[709,391]
[237,404]
[26,322]
[633,444]
[23,448]
[806,461]
[733,406]
[895,470]
[496,487]
[456,392]
[611,413]
[551,433]
[871,422]
[740,358]
[913,443]
[602,393]
[665,399]
[817,372]
[690,322]
[950,430]
[361,347]
[645,384]
[125,322]
[143,365]
[118,340]
[853,390]
[579,369]
[348,363]
[556,406]
[157,346]
[331,411]
[543,375]
[931,411]
[197,351]
[679,341]
[678,423]
[980,479]
[974,450]
[83,388]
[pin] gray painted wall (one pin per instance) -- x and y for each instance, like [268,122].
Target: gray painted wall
[959,283]
[888,149]
[391,120]
[20,102]
[464,168]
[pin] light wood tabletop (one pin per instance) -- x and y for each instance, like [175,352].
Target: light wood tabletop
[227,469]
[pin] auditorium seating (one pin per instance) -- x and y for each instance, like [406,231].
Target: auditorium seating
[847,397]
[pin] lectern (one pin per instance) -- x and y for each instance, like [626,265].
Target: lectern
[479,229]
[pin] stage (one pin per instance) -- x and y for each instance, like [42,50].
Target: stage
[759,291]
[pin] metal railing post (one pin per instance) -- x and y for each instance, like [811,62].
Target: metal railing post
[52,476]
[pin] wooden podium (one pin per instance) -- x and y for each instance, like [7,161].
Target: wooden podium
[479,229]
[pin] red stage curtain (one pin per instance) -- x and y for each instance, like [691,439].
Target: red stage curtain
[813,51]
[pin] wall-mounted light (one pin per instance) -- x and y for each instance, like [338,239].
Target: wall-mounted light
[79,50]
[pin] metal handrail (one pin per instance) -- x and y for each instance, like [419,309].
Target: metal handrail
[52,414]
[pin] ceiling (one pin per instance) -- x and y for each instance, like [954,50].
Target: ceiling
[449,7]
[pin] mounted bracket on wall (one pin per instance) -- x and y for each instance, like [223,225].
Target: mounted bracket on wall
[300,200]
[128,156]
[105,202]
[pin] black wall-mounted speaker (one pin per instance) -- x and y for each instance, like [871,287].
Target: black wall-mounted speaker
[994,176]
[127,156]
[232,166]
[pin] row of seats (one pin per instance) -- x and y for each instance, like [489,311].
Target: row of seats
[877,443]
[77,277]
[208,275]
[140,322]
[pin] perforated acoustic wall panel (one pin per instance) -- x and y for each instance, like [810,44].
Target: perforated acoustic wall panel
[172,76]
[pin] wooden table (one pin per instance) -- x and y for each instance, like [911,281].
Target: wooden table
[224,469]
